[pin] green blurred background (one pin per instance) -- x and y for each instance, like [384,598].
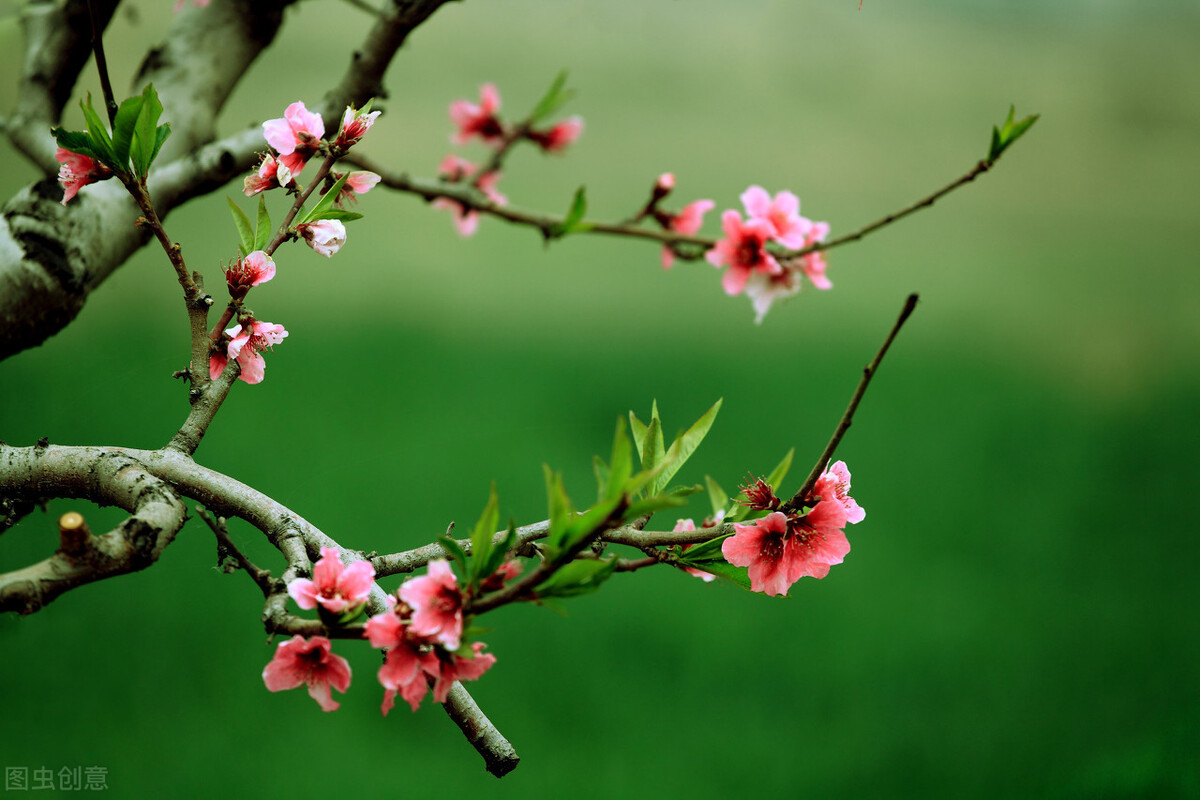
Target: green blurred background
[1018,616]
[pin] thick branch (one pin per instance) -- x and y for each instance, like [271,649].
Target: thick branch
[108,477]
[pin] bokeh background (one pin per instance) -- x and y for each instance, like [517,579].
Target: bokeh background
[1018,616]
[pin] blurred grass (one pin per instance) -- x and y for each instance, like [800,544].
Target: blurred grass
[1017,617]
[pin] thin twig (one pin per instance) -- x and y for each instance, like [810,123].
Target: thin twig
[799,499]
[110,100]
[260,576]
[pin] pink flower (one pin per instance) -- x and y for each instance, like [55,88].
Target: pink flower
[688,525]
[456,668]
[763,290]
[813,264]
[436,603]
[77,171]
[255,268]
[271,174]
[687,222]
[354,126]
[312,662]
[664,185]
[296,136]
[198,4]
[326,236]
[358,182]
[834,485]
[478,120]
[336,587]
[404,672]
[779,552]
[743,250]
[558,138]
[504,573]
[244,346]
[453,170]
[782,213]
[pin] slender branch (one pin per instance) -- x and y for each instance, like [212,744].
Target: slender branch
[260,576]
[801,497]
[110,100]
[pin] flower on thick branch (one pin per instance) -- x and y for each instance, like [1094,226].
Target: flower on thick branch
[299,661]
[337,588]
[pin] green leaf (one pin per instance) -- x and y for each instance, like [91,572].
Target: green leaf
[707,556]
[652,447]
[344,216]
[560,509]
[481,538]
[325,203]
[781,470]
[75,141]
[572,222]
[500,551]
[683,447]
[146,136]
[455,551]
[245,231]
[621,466]
[554,98]
[262,224]
[101,144]
[160,136]
[1004,136]
[600,470]
[123,127]
[638,429]
[576,578]
[672,498]
[716,496]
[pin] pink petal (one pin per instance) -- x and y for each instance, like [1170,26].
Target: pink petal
[756,201]
[304,592]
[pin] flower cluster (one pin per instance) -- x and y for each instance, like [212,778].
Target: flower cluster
[781,548]
[422,633]
[482,121]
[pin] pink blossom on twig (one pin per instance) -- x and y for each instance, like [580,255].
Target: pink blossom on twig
[335,586]
[312,662]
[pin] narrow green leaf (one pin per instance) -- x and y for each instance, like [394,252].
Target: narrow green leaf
[600,470]
[500,551]
[123,127]
[339,214]
[560,510]
[481,538]
[621,466]
[1005,135]
[101,143]
[652,447]
[716,496]
[707,556]
[160,136]
[781,470]
[683,447]
[573,221]
[576,578]
[455,551]
[262,224]
[325,203]
[638,429]
[554,98]
[591,520]
[245,231]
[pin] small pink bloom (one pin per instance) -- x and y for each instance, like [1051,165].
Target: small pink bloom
[77,171]
[834,484]
[244,346]
[504,573]
[310,662]
[764,290]
[271,174]
[326,236]
[456,668]
[354,126]
[437,604]
[743,250]
[779,553]
[664,185]
[558,138]
[813,264]
[688,222]
[255,268]
[782,212]
[335,586]
[454,169]
[358,182]
[478,120]
[404,672]
[296,136]
[688,525]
